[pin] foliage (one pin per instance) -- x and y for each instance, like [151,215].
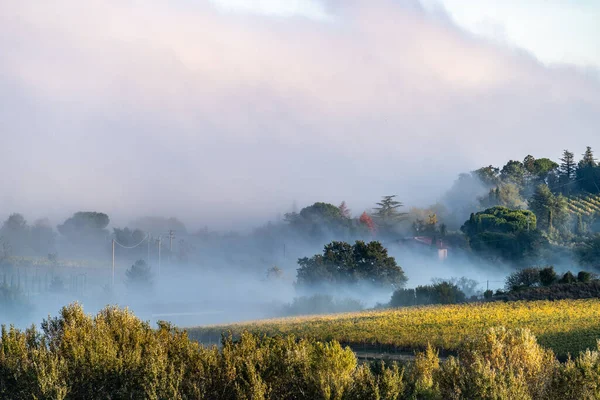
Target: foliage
[565,326]
[499,220]
[548,276]
[84,225]
[387,215]
[366,220]
[139,275]
[438,293]
[550,210]
[342,263]
[115,355]
[320,221]
[525,278]
[588,253]
[502,364]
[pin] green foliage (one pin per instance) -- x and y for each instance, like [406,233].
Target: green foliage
[548,276]
[500,220]
[568,278]
[438,293]
[386,215]
[502,364]
[551,211]
[588,253]
[113,355]
[342,263]
[584,277]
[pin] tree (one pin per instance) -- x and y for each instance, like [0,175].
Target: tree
[42,238]
[366,220]
[344,210]
[513,172]
[320,221]
[588,172]
[274,273]
[500,233]
[489,176]
[567,170]
[528,277]
[547,276]
[85,225]
[16,232]
[550,210]
[506,195]
[345,264]
[387,215]
[139,276]
[588,252]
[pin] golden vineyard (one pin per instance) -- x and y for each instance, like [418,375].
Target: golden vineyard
[566,326]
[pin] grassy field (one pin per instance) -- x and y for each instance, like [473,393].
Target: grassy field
[566,326]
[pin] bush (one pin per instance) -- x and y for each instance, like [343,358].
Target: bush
[548,276]
[502,364]
[139,275]
[440,293]
[528,277]
[584,277]
[568,278]
[488,294]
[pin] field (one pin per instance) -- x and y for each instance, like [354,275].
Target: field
[566,326]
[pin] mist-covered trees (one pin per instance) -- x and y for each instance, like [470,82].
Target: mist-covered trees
[85,225]
[321,220]
[387,214]
[139,276]
[588,252]
[345,264]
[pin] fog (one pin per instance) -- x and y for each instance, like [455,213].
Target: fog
[226,118]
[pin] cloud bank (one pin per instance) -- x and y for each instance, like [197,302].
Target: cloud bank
[180,108]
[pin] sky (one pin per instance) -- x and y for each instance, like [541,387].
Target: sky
[224,113]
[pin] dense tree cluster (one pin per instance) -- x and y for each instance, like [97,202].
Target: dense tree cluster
[345,264]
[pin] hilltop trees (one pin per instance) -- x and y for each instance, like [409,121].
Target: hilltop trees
[387,214]
[505,234]
[345,264]
[84,225]
[320,221]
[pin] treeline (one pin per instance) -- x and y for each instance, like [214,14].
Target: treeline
[115,355]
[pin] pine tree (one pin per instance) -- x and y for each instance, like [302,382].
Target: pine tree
[387,214]
[567,170]
[588,159]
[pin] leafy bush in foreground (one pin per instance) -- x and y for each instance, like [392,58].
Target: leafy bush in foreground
[113,355]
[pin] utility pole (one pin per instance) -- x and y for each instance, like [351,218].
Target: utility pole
[171,237]
[113,262]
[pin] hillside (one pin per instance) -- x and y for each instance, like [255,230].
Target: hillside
[584,204]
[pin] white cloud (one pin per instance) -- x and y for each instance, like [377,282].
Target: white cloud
[138,107]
